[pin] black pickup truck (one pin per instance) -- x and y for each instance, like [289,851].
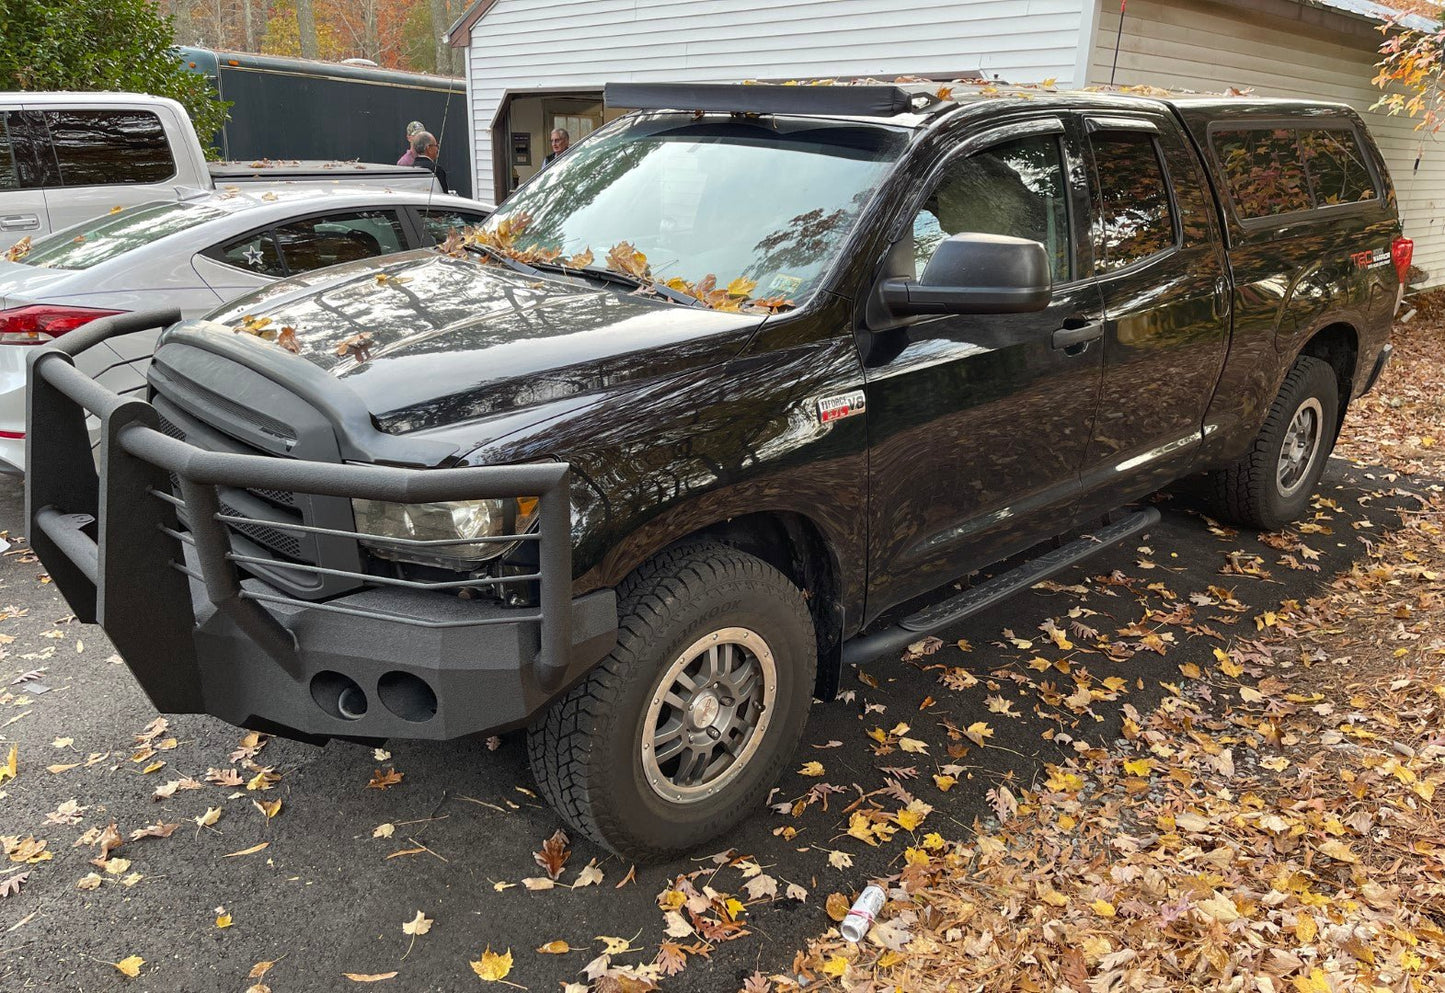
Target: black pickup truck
[711,408]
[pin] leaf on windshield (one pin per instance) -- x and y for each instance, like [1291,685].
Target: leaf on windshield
[742,287]
[626,259]
[773,305]
[19,250]
[581,260]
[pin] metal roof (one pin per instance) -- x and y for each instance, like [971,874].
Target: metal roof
[1379,12]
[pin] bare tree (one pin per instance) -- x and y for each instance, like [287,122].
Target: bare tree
[306,28]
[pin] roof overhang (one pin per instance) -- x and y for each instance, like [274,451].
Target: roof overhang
[459,35]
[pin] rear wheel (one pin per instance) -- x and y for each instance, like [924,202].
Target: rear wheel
[1271,484]
[678,734]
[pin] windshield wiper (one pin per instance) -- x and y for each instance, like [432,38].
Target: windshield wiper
[505,259]
[624,279]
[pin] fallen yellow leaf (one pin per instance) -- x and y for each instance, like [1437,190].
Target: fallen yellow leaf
[130,966]
[247,851]
[558,947]
[369,977]
[491,967]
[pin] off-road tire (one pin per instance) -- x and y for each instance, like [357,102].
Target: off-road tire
[1248,491]
[585,750]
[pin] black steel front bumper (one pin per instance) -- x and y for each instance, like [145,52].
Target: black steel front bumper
[202,637]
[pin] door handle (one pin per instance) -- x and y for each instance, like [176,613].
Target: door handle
[19,222]
[1076,332]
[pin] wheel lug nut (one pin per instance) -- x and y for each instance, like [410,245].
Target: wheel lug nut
[727,701]
[714,733]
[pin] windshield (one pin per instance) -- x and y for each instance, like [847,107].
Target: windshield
[767,201]
[87,245]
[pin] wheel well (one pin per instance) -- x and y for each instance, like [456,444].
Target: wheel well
[1339,345]
[794,545]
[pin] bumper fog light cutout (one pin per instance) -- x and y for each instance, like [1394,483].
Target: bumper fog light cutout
[339,696]
[407,696]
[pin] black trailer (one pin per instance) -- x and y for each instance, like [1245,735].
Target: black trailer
[286,108]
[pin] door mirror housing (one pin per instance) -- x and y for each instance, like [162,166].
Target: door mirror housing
[975,273]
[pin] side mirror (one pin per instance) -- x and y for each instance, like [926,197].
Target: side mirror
[973,273]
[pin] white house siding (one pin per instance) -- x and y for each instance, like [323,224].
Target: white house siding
[535,44]
[1193,44]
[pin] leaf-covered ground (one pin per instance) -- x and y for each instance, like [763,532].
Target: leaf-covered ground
[1271,825]
[1152,773]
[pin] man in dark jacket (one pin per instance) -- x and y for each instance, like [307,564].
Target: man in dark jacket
[560,141]
[424,144]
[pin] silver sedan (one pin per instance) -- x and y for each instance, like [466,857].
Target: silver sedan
[194,255]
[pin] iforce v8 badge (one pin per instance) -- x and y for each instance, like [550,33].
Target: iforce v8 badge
[841,405]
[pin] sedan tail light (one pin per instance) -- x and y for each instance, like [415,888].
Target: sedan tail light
[36,324]
[1402,252]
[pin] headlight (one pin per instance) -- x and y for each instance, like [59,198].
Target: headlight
[442,533]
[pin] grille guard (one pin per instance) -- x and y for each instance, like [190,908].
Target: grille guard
[102,534]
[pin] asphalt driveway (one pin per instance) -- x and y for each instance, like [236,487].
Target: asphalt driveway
[328,896]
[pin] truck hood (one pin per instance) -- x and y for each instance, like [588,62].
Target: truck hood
[446,341]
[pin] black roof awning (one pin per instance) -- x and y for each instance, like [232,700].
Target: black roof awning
[866,100]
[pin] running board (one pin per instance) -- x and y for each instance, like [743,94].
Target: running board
[995,590]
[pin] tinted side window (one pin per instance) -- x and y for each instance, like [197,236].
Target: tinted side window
[1136,219]
[437,223]
[104,147]
[9,175]
[1335,166]
[1264,171]
[255,253]
[25,158]
[335,238]
[1016,188]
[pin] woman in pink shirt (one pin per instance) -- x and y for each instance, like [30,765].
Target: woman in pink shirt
[412,129]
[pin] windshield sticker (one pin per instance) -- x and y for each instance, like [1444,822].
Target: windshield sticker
[784,285]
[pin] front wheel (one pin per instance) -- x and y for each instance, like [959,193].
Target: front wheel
[678,734]
[1271,484]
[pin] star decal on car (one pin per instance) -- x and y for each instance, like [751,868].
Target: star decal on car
[253,256]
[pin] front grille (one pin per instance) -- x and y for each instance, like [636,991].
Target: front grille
[287,543]
[181,419]
[227,410]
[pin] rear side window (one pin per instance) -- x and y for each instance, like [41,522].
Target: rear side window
[1135,214]
[106,147]
[255,253]
[1336,168]
[336,238]
[1273,171]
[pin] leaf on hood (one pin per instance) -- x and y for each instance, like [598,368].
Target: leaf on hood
[358,346]
[287,340]
[554,854]
[581,260]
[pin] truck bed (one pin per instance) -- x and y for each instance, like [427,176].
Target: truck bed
[319,170]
